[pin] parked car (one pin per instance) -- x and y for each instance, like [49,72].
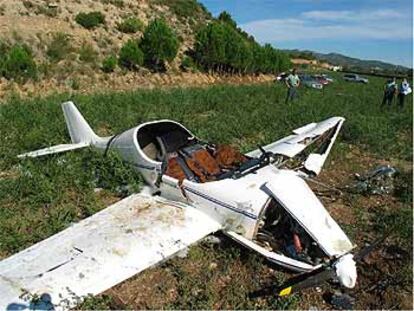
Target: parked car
[310,82]
[327,78]
[282,77]
[321,79]
[352,77]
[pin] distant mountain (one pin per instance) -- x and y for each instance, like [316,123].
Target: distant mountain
[349,62]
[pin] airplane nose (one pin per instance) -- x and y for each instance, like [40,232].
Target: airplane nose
[346,270]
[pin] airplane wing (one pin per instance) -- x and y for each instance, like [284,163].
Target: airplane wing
[290,146]
[99,252]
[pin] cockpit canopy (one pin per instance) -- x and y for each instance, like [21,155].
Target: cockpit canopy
[161,138]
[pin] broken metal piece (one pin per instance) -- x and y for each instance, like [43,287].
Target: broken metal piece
[377,181]
[342,301]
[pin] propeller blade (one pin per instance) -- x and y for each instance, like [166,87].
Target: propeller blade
[307,280]
[296,284]
[368,249]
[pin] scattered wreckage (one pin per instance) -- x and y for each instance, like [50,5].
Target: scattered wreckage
[259,199]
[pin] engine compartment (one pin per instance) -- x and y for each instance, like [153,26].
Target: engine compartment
[281,233]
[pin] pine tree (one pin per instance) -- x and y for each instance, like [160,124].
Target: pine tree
[159,44]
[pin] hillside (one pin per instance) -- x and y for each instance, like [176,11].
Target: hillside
[347,61]
[36,21]
[350,62]
[95,45]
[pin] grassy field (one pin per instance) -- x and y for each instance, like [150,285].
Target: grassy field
[41,197]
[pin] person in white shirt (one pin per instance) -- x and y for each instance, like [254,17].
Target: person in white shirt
[403,91]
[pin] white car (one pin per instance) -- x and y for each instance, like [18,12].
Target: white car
[352,77]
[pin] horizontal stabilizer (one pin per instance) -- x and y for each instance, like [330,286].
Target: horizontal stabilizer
[53,149]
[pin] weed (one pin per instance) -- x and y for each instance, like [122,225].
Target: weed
[188,64]
[87,53]
[404,187]
[117,3]
[130,55]
[130,25]
[185,9]
[59,47]
[54,192]
[28,4]
[102,302]
[74,84]
[18,64]
[90,20]
[46,10]
[43,196]
[109,64]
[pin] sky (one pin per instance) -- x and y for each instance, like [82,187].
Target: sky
[366,29]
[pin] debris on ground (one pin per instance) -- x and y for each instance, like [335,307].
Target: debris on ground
[341,301]
[211,239]
[378,181]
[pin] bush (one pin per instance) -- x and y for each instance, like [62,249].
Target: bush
[188,64]
[130,25]
[90,20]
[131,55]
[159,44]
[109,64]
[4,48]
[87,53]
[59,47]
[46,10]
[184,9]
[117,3]
[19,64]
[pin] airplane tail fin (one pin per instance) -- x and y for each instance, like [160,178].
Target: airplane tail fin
[79,129]
[80,133]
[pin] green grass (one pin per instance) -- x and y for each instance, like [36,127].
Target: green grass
[43,196]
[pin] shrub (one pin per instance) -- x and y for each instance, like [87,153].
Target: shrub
[130,25]
[4,48]
[159,44]
[46,10]
[117,3]
[87,53]
[188,64]
[109,64]
[130,55]
[184,9]
[59,47]
[225,17]
[90,20]
[19,64]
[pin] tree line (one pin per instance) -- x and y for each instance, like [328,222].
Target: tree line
[223,47]
[220,46]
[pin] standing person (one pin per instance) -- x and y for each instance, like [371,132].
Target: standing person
[403,91]
[292,82]
[390,89]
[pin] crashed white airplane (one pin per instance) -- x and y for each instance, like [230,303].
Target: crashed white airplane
[260,199]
